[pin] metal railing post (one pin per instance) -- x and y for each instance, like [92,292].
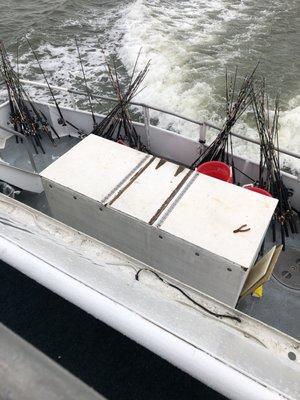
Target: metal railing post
[27,145]
[30,155]
[202,133]
[147,125]
[73,101]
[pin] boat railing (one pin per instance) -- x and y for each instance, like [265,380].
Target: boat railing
[203,125]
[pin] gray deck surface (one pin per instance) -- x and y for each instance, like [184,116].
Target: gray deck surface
[279,306]
[16,154]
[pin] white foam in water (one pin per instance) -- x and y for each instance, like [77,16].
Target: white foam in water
[290,133]
[183,71]
[171,38]
[164,34]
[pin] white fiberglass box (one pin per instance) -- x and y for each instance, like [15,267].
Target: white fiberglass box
[177,221]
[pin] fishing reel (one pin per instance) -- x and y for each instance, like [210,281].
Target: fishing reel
[290,192]
[61,121]
[82,134]
[13,120]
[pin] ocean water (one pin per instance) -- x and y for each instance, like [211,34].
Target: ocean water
[189,43]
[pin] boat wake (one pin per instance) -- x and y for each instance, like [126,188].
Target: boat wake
[189,47]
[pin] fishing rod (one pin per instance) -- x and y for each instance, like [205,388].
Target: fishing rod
[28,125]
[21,115]
[237,101]
[15,119]
[45,121]
[5,77]
[17,138]
[85,83]
[41,118]
[62,121]
[110,127]
[270,173]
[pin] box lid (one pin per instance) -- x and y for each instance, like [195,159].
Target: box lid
[209,212]
[96,167]
[147,194]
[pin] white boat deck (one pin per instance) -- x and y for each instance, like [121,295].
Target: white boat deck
[15,153]
[102,280]
[280,304]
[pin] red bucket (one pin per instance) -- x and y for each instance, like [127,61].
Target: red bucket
[216,169]
[258,190]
